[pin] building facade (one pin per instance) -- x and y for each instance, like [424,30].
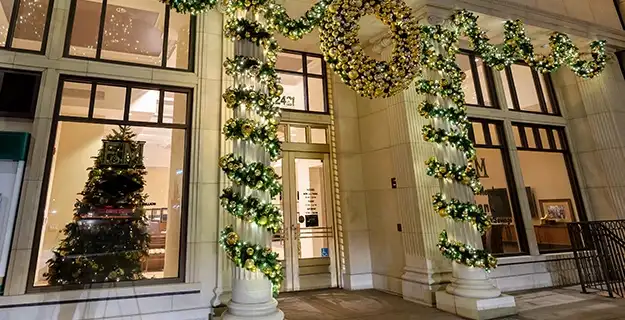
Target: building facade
[356,198]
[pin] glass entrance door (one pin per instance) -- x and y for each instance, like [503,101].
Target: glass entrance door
[306,242]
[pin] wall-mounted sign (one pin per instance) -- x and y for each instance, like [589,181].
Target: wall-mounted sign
[480,166]
[287,101]
[311,197]
[325,252]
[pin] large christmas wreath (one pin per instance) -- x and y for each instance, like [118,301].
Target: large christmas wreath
[344,53]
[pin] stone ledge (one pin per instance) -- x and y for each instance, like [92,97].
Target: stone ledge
[478,309]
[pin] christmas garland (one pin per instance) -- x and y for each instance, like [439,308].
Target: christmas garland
[465,254]
[344,54]
[251,209]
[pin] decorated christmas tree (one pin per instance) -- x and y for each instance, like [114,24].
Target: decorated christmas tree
[108,238]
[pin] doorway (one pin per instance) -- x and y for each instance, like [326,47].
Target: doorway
[306,242]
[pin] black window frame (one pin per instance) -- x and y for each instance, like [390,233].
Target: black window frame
[13,25]
[98,56]
[542,96]
[306,75]
[568,161]
[490,82]
[510,178]
[30,114]
[184,210]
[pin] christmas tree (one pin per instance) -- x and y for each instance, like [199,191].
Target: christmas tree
[108,237]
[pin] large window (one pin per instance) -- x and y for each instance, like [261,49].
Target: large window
[87,185]
[303,77]
[18,93]
[24,24]
[499,199]
[144,32]
[477,82]
[527,90]
[548,175]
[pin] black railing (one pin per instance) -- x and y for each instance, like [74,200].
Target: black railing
[599,249]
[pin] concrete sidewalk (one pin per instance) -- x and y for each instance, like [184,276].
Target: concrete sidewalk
[551,304]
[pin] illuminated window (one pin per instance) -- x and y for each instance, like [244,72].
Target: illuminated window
[24,24]
[527,90]
[507,235]
[90,110]
[303,77]
[548,173]
[145,32]
[478,81]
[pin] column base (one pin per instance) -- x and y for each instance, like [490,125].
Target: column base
[476,308]
[421,286]
[256,311]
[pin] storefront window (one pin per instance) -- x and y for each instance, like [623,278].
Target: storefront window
[303,77]
[499,199]
[478,81]
[114,202]
[548,175]
[146,32]
[527,90]
[24,24]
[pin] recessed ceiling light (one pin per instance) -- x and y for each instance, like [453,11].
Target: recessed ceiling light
[121,10]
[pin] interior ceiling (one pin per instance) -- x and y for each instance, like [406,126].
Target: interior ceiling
[371,28]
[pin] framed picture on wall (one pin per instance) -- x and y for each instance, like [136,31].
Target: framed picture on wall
[556,209]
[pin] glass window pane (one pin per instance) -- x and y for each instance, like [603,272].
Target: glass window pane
[178,44]
[5,18]
[133,33]
[316,96]
[310,184]
[290,62]
[506,89]
[502,237]
[525,88]
[517,137]
[297,134]
[31,24]
[545,88]
[109,102]
[293,95]
[144,105]
[468,86]
[106,228]
[75,99]
[558,139]
[314,65]
[481,72]
[84,39]
[478,132]
[529,134]
[494,134]
[280,134]
[318,135]
[544,139]
[547,175]
[175,108]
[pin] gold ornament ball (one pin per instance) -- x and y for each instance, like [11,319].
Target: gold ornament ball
[249,251]
[249,264]
[232,238]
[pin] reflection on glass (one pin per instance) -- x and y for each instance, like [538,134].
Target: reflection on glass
[76,144]
[318,135]
[75,99]
[133,33]
[293,95]
[144,105]
[468,85]
[7,10]
[547,174]
[178,44]
[109,102]
[314,65]
[31,24]
[85,29]
[297,134]
[309,178]
[502,237]
[289,62]
[316,96]
[175,107]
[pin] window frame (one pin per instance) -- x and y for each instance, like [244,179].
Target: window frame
[542,96]
[568,160]
[33,106]
[98,55]
[184,210]
[490,82]
[306,75]
[13,25]
[510,178]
